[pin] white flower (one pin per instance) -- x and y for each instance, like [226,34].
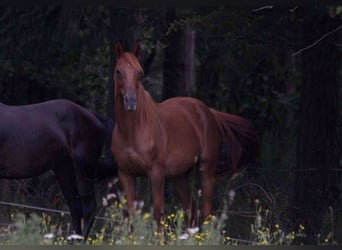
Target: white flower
[184,236]
[75,237]
[104,202]
[199,192]
[49,236]
[135,204]
[110,196]
[231,196]
[193,230]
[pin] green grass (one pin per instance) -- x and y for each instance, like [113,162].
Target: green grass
[141,229]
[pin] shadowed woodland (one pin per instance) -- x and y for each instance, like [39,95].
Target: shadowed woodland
[279,67]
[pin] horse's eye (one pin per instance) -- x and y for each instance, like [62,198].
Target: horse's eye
[118,72]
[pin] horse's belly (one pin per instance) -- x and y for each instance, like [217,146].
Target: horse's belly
[19,171]
[182,152]
[29,159]
[179,164]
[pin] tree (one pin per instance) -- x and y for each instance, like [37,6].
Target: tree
[52,52]
[179,67]
[318,150]
[125,27]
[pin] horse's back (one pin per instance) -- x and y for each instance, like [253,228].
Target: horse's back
[36,137]
[65,117]
[84,131]
[189,109]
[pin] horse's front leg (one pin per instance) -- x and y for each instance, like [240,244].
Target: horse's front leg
[157,178]
[128,183]
[66,179]
[86,188]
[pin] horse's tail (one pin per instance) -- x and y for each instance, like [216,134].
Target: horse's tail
[239,145]
[106,166]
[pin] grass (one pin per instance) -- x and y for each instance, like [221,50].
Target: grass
[141,229]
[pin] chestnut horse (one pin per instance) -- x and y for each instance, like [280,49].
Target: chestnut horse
[56,135]
[168,138]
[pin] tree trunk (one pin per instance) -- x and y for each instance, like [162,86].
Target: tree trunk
[179,69]
[126,28]
[316,178]
[208,83]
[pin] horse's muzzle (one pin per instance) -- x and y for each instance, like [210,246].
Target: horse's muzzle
[130,102]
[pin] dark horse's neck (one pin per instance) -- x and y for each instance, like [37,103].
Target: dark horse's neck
[146,114]
[3,105]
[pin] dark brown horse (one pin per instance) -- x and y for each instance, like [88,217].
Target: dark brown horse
[167,139]
[56,135]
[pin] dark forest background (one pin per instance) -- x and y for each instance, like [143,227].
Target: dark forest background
[279,67]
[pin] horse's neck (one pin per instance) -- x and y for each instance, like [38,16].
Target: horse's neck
[3,107]
[145,117]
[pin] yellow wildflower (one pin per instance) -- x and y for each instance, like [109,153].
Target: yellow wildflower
[146,216]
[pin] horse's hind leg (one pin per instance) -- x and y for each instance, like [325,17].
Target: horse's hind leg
[85,183]
[181,186]
[66,179]
[207,172]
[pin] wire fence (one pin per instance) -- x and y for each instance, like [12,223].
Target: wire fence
[42,209]
[301,170]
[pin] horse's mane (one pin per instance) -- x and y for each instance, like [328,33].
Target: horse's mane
[132,60]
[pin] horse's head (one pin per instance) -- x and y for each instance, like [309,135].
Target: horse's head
[128,75]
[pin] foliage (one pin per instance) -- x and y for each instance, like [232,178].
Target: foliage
[27,231]
[272,234]
[58,51]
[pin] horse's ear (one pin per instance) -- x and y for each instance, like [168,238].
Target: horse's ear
[118,50]
[136,50]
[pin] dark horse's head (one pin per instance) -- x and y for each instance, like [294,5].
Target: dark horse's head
[128,75]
